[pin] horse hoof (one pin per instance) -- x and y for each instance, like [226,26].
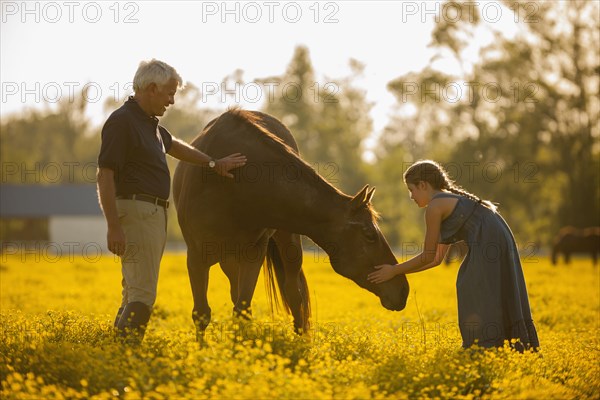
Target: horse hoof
[244,314]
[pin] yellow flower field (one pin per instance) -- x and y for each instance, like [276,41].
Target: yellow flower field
[56,327]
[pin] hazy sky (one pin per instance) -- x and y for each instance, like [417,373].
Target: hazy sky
[51,49]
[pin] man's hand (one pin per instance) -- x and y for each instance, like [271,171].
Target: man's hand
[116,240]
[185,152]
[225,164]
[383,273]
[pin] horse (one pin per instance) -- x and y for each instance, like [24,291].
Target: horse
[258,218]
[573,240]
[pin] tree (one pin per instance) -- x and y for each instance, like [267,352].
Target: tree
[49,146]
[329,119]
[525,131]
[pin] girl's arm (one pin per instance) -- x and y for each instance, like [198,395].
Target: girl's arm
[386,272]
[442,249]
[433,222]
[424,260]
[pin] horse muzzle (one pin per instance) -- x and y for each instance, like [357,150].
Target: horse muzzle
[396,304]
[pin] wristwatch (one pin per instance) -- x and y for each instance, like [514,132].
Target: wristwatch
[212,163]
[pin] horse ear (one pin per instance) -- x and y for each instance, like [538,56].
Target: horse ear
[369,196]
[360,199]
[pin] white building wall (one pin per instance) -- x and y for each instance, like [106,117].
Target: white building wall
[78,235]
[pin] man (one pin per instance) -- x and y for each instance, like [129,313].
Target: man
[134,185]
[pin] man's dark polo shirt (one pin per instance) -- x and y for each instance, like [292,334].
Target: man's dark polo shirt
[131,148]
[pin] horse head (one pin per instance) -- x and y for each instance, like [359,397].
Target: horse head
[359,245]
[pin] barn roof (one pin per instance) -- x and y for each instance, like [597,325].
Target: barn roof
[36,201]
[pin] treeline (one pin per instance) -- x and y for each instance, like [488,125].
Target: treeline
[518,127]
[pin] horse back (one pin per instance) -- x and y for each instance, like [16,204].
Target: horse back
[208,199]
[571,239]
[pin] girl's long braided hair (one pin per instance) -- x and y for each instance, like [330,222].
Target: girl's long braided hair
[433,173]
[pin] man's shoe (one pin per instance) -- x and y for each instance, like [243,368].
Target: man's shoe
[132,324]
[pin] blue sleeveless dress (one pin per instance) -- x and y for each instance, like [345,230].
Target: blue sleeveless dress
[492,298]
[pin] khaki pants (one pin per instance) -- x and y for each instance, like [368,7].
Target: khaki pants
[145,227]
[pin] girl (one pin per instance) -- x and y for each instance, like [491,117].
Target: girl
[492,298]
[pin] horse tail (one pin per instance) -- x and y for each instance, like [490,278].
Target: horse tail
[275,272]
[275,277]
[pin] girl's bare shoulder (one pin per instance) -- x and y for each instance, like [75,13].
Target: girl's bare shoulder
[443,205]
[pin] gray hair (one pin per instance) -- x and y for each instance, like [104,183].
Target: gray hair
[154,71]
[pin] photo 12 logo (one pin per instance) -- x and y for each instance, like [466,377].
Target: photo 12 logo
[270,11]
[453,11]
[53,92]
[50,172]
[254,92]
[456,92]
[53,12]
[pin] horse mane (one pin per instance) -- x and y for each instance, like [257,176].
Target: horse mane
[257,125]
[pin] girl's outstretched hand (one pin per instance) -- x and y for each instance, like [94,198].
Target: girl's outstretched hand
[383,273]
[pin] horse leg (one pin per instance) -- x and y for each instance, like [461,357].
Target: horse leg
[231,270]
[198,272]
[295,292]
[248,263]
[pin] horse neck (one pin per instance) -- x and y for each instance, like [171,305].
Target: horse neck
[307,208]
